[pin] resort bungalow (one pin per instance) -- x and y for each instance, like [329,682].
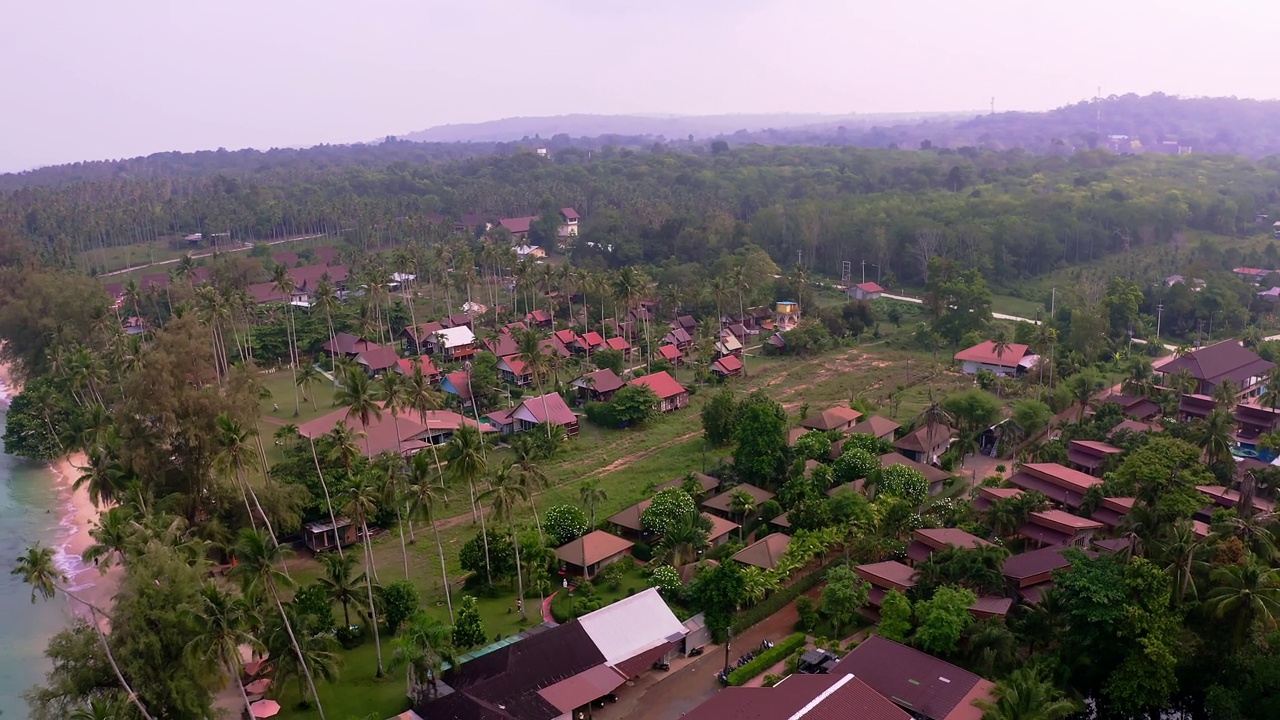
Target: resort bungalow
[540,319]
[728,345]
[1061,485]
[406,432]
[1013,359]
[458,384]
[988,496]
[1252,423]
[377,359]
[764,553]
[322,536]
[886,576]
[671,354]
[925,444]
[875,426]
[1226,360]
[678,337]
[415,337]
[722,504]
[513,370]
[1090,456]
[865,291]
[408,366]
[627,520]
[452,343]
[1195,406]
[706,483]
[837,418]
[598,386]
[532,412]
[671,394]
[1112,511]
[592,552]
[1133,406]
[937,477]
[926,541]
[926,687]
[621,345]
[1058,527]
[727,367]
[1030,573]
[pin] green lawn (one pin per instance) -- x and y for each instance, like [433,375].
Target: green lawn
[123,256]
[358,694]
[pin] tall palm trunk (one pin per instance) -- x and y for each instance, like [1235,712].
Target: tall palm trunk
[368,583]
[111,658]
[515,543]
[444,572]
[302,661]
[270,530]
[291,333]
[404,550]
[234,673]
[337,538]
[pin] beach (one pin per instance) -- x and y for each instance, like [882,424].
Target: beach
[38,504]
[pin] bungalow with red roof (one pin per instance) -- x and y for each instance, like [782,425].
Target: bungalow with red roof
[305,282]
[865,291]
[727,367]
[1112,511]
[1030,573]
[722,504]
[988,496]
[458,384]
[836,418]
[671,354]
[764,553]
[678,337]
[621,345]
[502,344]
[801,697]
[925,444]
[408,430]
[1090,456]
[592,552]
[1058,527]
[926,541]
[566,337]
[876,426]
[598,386]
[513,370]
[1251,274]
[540,319]
[1133,406]
[407,366]
[1059,484]
[587,343]
[671,394]
[1012,359]
[377,359]
[886,576]
[462,319]
[534,411]
[347,345]
[1226,360]
[416,336]
[518,227]
[452,343]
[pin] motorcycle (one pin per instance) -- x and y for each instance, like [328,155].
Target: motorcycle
[695,652]
[662,665]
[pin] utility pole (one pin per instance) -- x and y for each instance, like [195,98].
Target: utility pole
[1159,314]
[864,271]
[1053,301]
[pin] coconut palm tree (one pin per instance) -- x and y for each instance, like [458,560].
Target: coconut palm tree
[531,476]
[591,495]
[37,569]
[742,504]
[388,474]
[1249,593]
[283,283]
[505,494]
[529,349]
[102,708]
[468,462]
[361,498]
[1000,342]
[1026,695]
[308,377]
[1139,378]
[105,476]
[423,647]
[314,658]
[257,559]
[114,535]
[1213,435]
[358,394]
[684,539]
[339,586]
[225,620]
[424,501]
[326,299]
[344,445]
[1226,394]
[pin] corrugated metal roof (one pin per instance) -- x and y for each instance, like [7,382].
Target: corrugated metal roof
[631,626]
[912,679]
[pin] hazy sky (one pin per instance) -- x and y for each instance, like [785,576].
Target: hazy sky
[90,80]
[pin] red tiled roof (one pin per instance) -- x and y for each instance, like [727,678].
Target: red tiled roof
[502,345]
[378,358]
[565,336]
[929,686]
[985,353]
[591,339]
[514,364]
[1034,562]
[662,384]
[991,605]
[831,419]
[421,332]
[539,316]
[670,353]
[869,287]
[549,408]
[599,545]
[890,574]
[764,553]
[518,224]
[601,381]
[618,343]
[727,365]
[838,696]
[569,213]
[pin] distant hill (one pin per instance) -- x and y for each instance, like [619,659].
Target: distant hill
[671,127]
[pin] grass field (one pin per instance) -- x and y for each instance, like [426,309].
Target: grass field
[359,693]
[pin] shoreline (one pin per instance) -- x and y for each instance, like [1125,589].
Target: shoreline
[77,516]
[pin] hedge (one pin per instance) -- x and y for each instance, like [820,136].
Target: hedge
[778,600]
[767,659]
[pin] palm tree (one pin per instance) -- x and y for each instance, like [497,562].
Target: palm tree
[37,569]
[326,298]
[344,445]
[423,647]
[505,494]
[529,344]
[1084,387]
[1213,435]
[101,708]
[531,476]
[1178,551]
[1250,593]
[389,478]
[283,283]
[465,453]
[114,538]
[225,620]
[591,494]
[315,657]
[1226,394]
[684,539]
[256,561]
[1000,342]
[233,454]
[1270,397]
[1026,695]
[339,586]
[308,377]
[357,393]
[424,500]
[742,504]
[1140,378]
[1183,381]
[361,502]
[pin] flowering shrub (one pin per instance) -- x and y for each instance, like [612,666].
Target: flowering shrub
[902,482]
[564,523]
[666,510]
[854,464]
[666,579]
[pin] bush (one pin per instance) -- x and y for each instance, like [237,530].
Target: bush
[666,579]
[667,509]
[808,615]
[777,601]
[642,552]
[611,576]
[766,659]
[564,523]
[771,679]
[601,414]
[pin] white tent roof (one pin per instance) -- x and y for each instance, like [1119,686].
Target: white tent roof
[631,626]
[456,336]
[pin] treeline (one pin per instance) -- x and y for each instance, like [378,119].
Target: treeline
[1010,214]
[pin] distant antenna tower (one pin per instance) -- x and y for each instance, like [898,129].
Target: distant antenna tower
[993,105]
[846,270]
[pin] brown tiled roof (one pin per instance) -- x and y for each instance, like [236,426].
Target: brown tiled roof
[831,419]
[991,605]
[1230,498]
[801,697]
[380,434]
[887,574]
[764,553]
[600,545]
[518,224]
[707,482]
[722,502]
[916,440]
[629,517]
[378,358]
[1058,519]
[1224,360]
[874,425]
[954,537]
[719,526]
[931,687]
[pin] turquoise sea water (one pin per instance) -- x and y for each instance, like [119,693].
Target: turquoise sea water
[34,506]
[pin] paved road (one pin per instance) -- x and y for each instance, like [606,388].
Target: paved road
[209,253]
